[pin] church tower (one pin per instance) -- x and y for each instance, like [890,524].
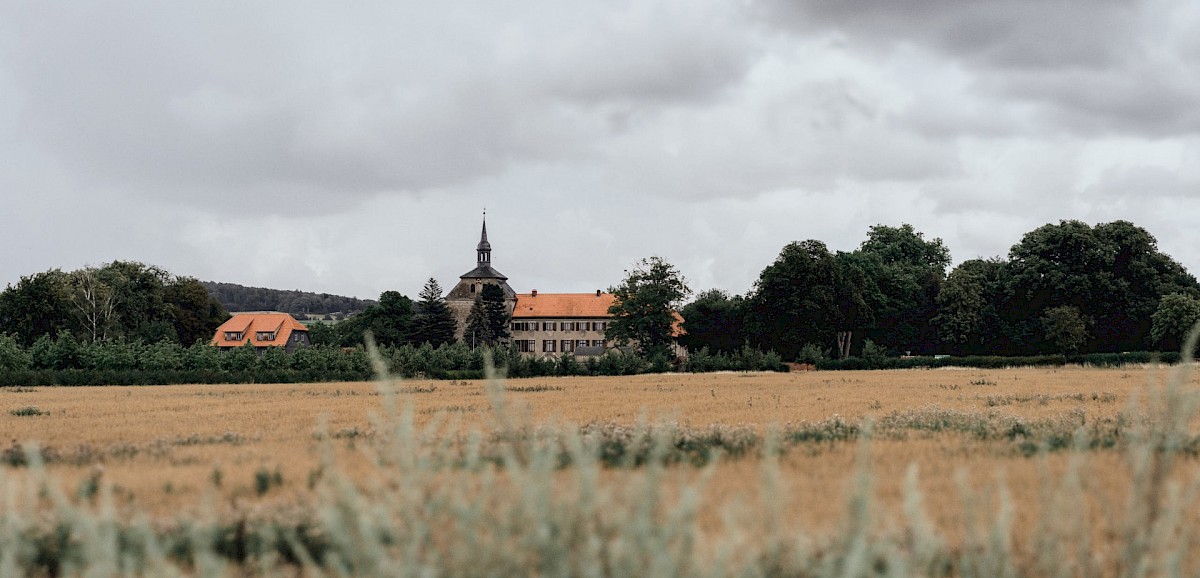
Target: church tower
[470,284]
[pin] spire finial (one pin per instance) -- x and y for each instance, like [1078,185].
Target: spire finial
[483,251]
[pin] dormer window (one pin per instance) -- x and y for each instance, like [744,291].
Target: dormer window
[233,336]
[265,336]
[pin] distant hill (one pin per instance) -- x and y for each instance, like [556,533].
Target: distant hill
[299,303]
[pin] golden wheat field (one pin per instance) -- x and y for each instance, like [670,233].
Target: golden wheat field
[167,450]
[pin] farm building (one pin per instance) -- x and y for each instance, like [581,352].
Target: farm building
[263,330]
[557,323]
[543,324]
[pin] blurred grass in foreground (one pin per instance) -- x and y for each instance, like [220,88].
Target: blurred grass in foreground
[520,500]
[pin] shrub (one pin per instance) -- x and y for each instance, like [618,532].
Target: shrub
[29,410]
[12,356]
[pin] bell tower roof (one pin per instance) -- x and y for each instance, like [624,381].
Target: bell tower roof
[483,258]
[484,245]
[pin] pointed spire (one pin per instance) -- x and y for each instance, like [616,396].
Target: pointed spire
[483,250]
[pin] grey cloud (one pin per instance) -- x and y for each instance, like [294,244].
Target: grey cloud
[1007,33]
[229,97]
[1082,66]
[1151,100]
[1144,183]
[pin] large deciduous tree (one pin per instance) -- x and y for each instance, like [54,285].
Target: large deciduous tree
[434,323]
[94,303]
[902,274]
[808,295]
[1112,273]
[643,312]
[193,313]
[122,299]
[714,320]
[969,302]
[1175,316]
[390,321]
[37,305]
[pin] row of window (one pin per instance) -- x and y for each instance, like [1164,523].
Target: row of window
[553,346]
[261,336]
[560,325]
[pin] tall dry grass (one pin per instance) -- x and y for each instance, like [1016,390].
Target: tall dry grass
[951,488]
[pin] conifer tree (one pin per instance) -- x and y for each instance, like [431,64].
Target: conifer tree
[479,327]
[434,324]
[487,323]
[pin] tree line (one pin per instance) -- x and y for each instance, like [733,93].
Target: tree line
[64,360]
[236,297]
[1066,288]
[122,300]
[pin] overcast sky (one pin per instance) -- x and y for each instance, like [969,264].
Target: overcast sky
[350,148]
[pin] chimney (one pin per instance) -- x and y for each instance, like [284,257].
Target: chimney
[534,293]
[597,293]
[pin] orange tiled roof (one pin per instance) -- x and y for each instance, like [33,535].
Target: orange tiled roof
[250,324]
[569,305]
[677,329]
[562,305]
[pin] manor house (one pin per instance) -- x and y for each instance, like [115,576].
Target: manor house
[543,324]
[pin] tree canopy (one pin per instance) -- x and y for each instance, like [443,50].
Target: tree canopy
[645,305]
[1063,288]
[434,323]
[714,320]
[119,300]
[807,296]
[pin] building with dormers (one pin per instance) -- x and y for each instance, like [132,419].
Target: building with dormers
[542,324]
[551,324]
[262,330]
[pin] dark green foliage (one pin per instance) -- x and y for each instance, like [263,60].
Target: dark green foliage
[390,321]
[322,333]
[970,307]
[643,314]
[744,359]
[487,323]
[65,361]
[1112,274]
[29,410]
[120,300]
[1175,316]
[806,296]
[12,356]
[193,313]
[715,321]
[236,297]
[902,274]
[1066,328]
[434,323]
[37,306]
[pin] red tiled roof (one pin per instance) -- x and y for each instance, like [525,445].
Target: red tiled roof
[573,305]
[250,324]
[562,305]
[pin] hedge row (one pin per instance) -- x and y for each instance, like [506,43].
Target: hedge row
[65,361]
